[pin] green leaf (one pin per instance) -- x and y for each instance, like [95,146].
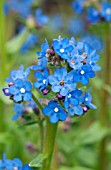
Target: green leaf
[15,44]
[75,168]
[95,133]
[37,162]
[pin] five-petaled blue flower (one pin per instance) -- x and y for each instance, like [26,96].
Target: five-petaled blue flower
[62,47]
[75,60]
[106,11]
[55,112]
[18,74]
[40,18]
[21,90]
[83,74]
[93,15]
[42,82]
[72,102]
[78,6]
[87,99]
[62,81]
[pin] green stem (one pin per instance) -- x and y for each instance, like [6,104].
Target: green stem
[49,142]
[2,42]
[103,165]
[41,129]
[37,102]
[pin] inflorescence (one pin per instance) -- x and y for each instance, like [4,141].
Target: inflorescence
[62,70]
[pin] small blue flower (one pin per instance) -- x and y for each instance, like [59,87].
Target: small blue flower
[72,102]
[62,81]
[26,167]
[43,52]
[55,112]
[87,99]
[93,15]
[62,47]
[18,74]
[18,6]
[76,26]
[29,43]
[21,91]
[75,60]
[18,109]
[40,18]
[78,6]
[10,164]
[83,74]
[106,11]
[42,82]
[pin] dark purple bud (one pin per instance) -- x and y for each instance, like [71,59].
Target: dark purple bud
[10,84]
[6,91]
[85,108]
[59,96]
[30,147]
[45,91]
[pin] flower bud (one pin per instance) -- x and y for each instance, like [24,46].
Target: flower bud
[6,91]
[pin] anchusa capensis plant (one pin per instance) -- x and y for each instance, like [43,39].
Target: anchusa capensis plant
[58,92]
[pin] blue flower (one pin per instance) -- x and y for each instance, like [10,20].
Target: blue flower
[92,59]
[44,48]
[106,11]
[18,6]
[26,167]
[10,164]
[75,60]
[76,26]
[18,109]
[78,6]
[93,15]
[62,81]
[72,102]
[18,74]
[42,82]
[40,18]
[21,91]
[62,47]
[87,99]
[42,60]
[29,43]
[94,41]
[83,74]
[55,112]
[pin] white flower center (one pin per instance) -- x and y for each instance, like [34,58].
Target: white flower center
[15,168]
[56,109]
[69,96]
[86,99]
[90,62]
[22,90]
[82,72]
[44,81]
[62,50]
[108,11]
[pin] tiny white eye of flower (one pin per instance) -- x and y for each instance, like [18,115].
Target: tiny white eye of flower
[62,50]
[44,81]
[90,62]
[56,109]
[69,96]
[15,168]
[108,11]
[22,90]
[86,99]
[82,72]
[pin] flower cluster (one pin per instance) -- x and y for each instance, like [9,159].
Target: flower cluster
[101,12]
[62,70]
[12,164]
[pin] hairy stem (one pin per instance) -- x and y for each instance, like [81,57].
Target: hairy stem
[49,142]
